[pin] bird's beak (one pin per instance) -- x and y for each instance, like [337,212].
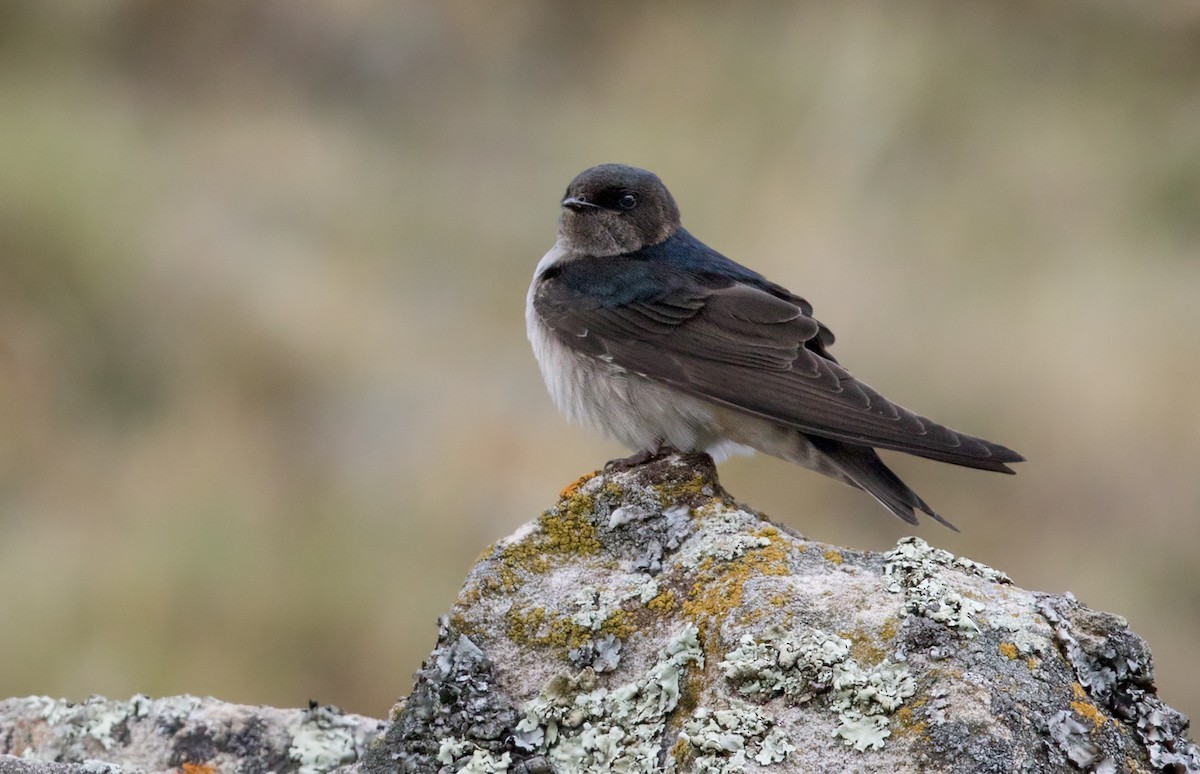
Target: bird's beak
[577,204]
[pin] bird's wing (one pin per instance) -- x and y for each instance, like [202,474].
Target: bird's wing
[756,349]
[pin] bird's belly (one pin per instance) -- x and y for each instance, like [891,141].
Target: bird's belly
[639,413]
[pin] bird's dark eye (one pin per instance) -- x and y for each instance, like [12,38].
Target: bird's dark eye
[627,201]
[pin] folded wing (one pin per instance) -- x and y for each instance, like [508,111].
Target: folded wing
[748,345]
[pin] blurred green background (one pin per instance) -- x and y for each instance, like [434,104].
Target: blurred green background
[264,386]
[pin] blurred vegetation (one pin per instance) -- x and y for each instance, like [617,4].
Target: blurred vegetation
[264,387]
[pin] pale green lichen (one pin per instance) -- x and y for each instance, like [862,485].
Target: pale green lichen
[649,590]
[728,539]
[480,762]
[582,727]
[95,718]
[721,740]
[323,740]
[915,569]
[803,665]
[864,698]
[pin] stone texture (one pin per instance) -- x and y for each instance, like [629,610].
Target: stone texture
[179,734]
[648,622]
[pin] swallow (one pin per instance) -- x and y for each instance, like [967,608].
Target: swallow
[646,333]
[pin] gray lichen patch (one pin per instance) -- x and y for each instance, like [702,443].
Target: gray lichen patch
[324,739]
[1115,691]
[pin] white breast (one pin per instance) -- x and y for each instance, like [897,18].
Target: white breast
[639,413]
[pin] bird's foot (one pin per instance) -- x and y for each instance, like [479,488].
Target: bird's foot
[640,458]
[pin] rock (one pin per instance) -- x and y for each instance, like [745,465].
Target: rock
[180,734]
[648,622]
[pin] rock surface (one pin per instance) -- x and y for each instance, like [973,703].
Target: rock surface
[648,622]
[185,734]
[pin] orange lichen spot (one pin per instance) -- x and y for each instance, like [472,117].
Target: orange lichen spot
[1031,662]
[198,768]
[1009,650]
[833,556]
[1085,708]
[573,487]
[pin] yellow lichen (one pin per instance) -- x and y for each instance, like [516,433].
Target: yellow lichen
[778,600]
[890,628]
[1134,766]
[681,751]
[618,625]
[664,602]
[613,490]
[1009,650]
[566,528]
[693,490]
[468,596]
[751,616]
[909,724]
[519,559]
[461,625]
[536,628]
[1085,708]
[831,555]
[1031,662]
[719,585]
[863,647]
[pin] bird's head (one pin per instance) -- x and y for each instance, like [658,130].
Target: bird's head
[614,209]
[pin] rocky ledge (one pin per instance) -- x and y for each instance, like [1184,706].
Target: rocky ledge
[648,622]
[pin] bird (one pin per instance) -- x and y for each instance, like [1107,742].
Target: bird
[659,341]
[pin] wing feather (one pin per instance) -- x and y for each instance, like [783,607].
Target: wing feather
[745,344]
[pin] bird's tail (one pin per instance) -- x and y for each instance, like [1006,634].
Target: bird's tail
[862,467]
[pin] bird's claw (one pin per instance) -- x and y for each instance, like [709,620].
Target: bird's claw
[640,458]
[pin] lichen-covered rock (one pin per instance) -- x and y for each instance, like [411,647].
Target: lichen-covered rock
[648,622]
[182,733]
